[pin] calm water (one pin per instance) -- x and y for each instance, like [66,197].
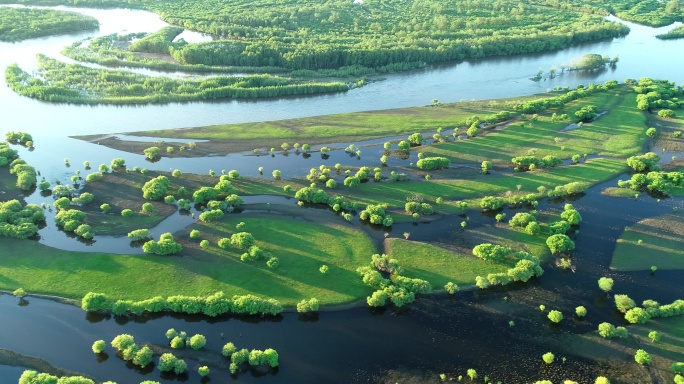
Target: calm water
[436,334]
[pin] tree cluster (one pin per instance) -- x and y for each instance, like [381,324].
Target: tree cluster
[19,221]
[213,305]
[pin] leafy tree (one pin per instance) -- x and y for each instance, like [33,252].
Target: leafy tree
[228,349]
[637,315]
[602,380]
[203,371]
[276,173]
[560,243]
[197,341]
[645,162]
[491,203]
[92,302]
[654,336]
[486,166]
[242,240]
[581,311]
[606,330]
[642,357]
[606,284]
[62,203]
[123,341]
[143,357]
[651,132]
[323,269]
[548,357]
[165,246]
[472,374]
[416,139]
[306,306]
[624,303]
[204,194]
[555,316]
[99,346]
[105,208]
[451,288]
[156,188]
[152,153]
[404,145]
[147,208]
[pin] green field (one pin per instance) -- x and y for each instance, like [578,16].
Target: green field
[302,248]
[443,263]
[662,245]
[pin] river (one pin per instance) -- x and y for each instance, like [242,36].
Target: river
[436,334]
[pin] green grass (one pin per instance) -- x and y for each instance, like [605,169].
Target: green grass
[662,245]
[440,265]
[620,133]
[301,246]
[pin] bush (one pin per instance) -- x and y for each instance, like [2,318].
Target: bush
[431,163]
[197,341]
[581,311]
[99,346]
[642,357]
[624,303]
[548,357]
[555,316]
[127,213]
[165,246]
[306,306]
[242,240]
[228,349]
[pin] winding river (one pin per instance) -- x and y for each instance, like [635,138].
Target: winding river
[436,334]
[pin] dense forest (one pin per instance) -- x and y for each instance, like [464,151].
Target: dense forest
[676,33]
[372,34]
[18,24]
[73,83]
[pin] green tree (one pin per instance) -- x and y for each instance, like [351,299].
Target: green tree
[197,341]
[651,132]
[99,346]
[156,188]
[203,371]
[581,311]
[642,357]
[624,303]
[560,243]
[654,336]
[548,357]
[555,316]
[152,153]
[606,284]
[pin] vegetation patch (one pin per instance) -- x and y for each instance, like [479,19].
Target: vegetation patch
[74,83]
[651,242]
[18,24]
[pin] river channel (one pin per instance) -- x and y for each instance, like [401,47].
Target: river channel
[436,334]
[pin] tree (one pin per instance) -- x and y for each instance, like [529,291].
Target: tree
[152,153]
[197,341]
[203,371]
[548,357]
[601,380]
[404,145]
[228,349]
[486,166]
[555,316]
[560,243]
[581,311]
[123,341]
[416,139]
[654,336]
[472,374]
[143,357]
[242,240]
[451,288]
[606,284]
[310,305]
[99,346]
[276,173]
[624,303]
[156,188]
[651,132]
[642,357]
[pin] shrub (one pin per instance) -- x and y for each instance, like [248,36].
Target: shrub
[197,341]
[431,163]
[228,349]
[99,346]
[581,311]
[555,316]
[310,305]
[642,357]
[548,357]
[127,213]
[624,303]
[165,246]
